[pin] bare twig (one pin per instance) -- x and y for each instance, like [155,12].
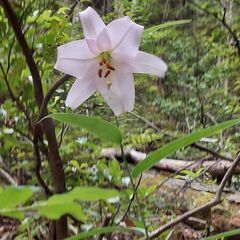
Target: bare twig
[175,173]
[71,10]
[223,22]
[105,223]
[131,200]
[19,104]
[135,191]
[8,177]
[188,182]
[215,201]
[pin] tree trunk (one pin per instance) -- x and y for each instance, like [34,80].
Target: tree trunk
[47,126]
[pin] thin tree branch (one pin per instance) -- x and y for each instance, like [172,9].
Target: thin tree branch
[175,173]
[71,10]
[223,22]
[46,189]
[51,91]
[133,185]
[19,104]
[8,177]
[136,194]
[38,93]
[131,200]
[215,201]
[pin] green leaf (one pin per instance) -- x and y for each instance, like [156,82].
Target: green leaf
[103,230]
[179,143]
[59,205]
[95,125]
[13,213]
[68,203]
[11,197]
[93,194]
[165,25]
[223,235]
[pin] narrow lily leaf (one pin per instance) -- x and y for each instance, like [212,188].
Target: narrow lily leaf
[223,235]
[104,230]
[95,125]
[165,25]
[179,143]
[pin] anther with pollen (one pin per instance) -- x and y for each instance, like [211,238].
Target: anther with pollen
[110,67]
[107,73]
[100,73]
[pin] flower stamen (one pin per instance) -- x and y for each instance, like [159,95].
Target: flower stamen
[107,73]
[105,69]
[110,67]
[100,73]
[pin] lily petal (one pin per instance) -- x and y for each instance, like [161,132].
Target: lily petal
[118,29]
[121,95]
[92,23]
[75,67]
[80,91]
[93,46]
[76,50]
[142,63]
[103,41]
[130,43]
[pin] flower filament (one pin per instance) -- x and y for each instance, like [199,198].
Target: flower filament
[105,69]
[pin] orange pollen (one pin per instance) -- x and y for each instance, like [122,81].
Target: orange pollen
[104,61]
[107,73]
[101,63]
[100,73]
[110,67]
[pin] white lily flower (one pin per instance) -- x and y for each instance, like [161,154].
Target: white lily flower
[105,62]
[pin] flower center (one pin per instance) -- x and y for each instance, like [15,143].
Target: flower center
[105,69]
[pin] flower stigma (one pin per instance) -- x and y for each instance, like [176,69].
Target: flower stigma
[105,68]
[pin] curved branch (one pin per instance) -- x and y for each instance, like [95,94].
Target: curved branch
[53,88]
[215,201]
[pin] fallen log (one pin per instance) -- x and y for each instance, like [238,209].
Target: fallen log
[216,168]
